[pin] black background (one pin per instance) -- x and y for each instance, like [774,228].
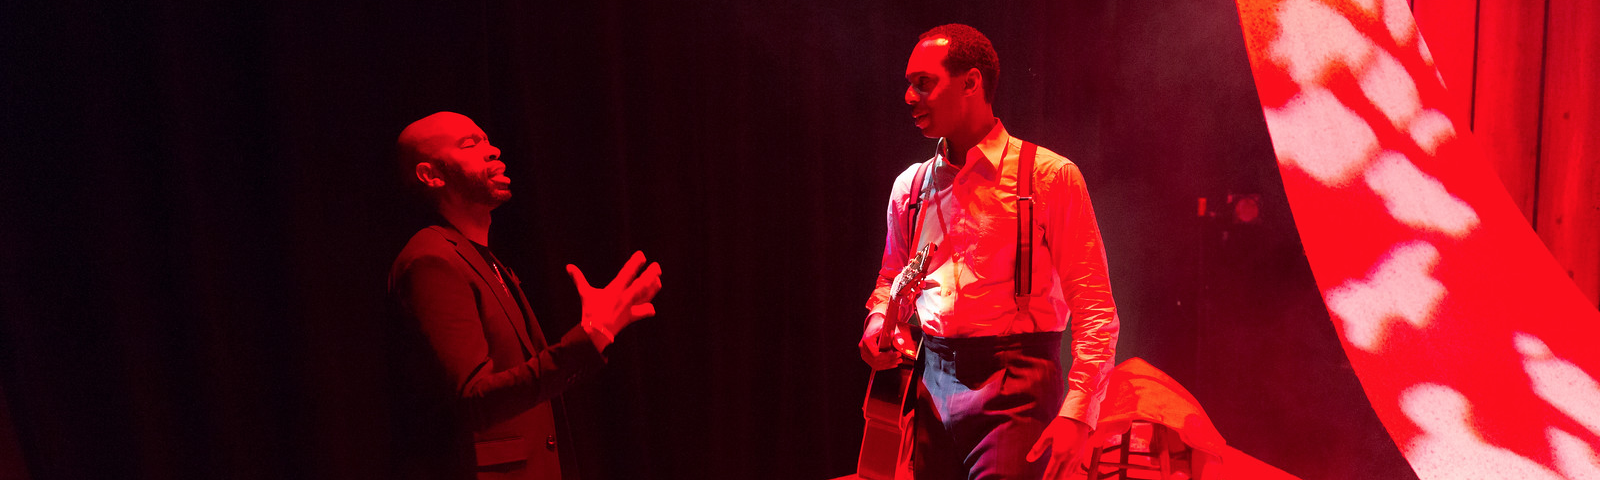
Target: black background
[201,207]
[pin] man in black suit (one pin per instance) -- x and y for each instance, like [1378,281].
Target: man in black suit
[486,375]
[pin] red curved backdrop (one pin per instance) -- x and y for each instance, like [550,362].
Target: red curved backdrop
[1474,347]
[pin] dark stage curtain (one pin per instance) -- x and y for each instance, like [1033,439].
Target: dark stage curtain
[201,207]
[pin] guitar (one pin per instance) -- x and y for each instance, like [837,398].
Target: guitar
[885,449]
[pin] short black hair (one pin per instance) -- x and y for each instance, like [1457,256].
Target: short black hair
[969,49]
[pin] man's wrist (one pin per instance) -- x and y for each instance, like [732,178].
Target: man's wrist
[876,318]
[599,335]
[1083,427]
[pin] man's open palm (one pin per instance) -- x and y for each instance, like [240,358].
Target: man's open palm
[625,300]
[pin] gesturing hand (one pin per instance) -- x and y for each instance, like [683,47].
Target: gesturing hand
[624,300]
[1065,438]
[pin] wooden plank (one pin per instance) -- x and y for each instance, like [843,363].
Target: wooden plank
[1568,217]
[1505,113]
[1448,27]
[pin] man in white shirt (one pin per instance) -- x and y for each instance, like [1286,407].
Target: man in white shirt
[992,401]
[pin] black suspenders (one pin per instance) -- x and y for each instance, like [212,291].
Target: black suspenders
[1022,274]
[1022,268]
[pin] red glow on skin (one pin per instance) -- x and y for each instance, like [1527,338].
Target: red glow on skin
[459,147]
[461,170]
[946,105]
[928,89]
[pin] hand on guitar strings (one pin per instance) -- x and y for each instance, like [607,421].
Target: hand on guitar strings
[623,301]
[878,358]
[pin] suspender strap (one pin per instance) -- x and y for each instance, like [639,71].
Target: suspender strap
[1023,272]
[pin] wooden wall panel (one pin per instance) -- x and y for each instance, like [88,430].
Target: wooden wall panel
[1526,79]
[1505,103]
[1568,217]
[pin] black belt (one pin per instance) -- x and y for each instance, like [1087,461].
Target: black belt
[944,346]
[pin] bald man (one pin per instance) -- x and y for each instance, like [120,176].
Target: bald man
[489,381]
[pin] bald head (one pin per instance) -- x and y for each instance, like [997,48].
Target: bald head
[447,154]
[421,140]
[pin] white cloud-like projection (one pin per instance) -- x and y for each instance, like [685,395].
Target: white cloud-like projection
[1427,58]
[1371,6]
[1400,287]
[1396,309]
[1397,18]
[1418,200]
[1427,55]
[1575,459]
[1430,129]
[1450,448]
[1314,36]
[1560,382]
[1387,83]
[1316,133]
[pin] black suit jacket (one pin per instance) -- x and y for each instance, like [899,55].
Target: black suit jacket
[488,373]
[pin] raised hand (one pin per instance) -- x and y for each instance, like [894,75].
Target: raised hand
[623,301]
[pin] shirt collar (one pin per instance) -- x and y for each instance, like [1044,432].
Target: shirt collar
[992,147]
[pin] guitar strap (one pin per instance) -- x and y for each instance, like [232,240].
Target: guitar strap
[917,214]
[914,225]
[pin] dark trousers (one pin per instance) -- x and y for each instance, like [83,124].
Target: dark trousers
[983,402]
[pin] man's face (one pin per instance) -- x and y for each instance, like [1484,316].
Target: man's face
[468,164]
[933,94]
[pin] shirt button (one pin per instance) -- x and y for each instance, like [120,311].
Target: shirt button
[550,443]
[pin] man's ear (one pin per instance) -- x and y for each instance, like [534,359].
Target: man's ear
[428,175]
[972,81]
